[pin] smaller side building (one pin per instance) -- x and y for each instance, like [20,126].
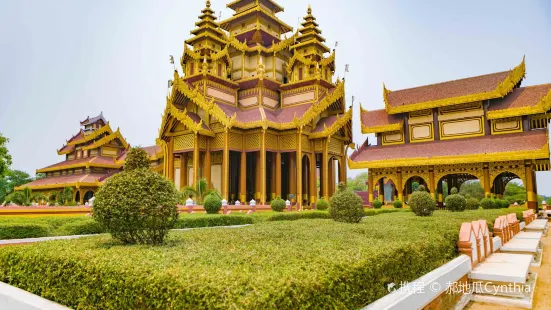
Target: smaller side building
[92,155]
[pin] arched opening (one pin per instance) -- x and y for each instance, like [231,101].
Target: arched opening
[385,190]
[88,196]
[306,191]
[465,183]
[412,185]
[510,187]
[77,196]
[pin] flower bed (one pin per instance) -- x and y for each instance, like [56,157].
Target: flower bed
[284,265]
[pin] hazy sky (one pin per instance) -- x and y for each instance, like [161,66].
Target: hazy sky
[62,60]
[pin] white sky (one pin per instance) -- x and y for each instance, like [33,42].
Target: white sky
[62,60]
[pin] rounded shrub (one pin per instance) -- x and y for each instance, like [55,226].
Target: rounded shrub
[456,203]
[137,205]
[377,204]
[322,204]
[473,204]
[278,204]
[487,203]
[421,188]
[397,204]
[454,191]
[212,204]
[422,204]
[504,203]
[346,206]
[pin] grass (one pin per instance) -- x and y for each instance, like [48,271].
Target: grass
[270,265]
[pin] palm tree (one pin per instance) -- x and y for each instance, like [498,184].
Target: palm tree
[188,192]
[39,198]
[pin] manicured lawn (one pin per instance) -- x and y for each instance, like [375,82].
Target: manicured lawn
[269,265]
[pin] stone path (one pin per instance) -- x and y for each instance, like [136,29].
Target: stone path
[542,298]
[33,240]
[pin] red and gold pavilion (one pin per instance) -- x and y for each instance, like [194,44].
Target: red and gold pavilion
[256,112]
[486,127]
[92,155]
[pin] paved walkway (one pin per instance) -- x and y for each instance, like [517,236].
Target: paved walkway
[542,298]
[33,240]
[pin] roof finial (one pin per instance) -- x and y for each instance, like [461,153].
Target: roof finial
[309,9]
[208,3]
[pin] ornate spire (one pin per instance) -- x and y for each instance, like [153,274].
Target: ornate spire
[207,24]
[310,34]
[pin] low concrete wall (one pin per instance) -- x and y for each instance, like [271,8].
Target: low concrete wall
[425,290]
[12,298]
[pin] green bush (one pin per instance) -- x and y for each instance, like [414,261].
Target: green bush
[397,204]
[212,220]
[319,263]
[473,204]
[456,203]
[137,158]
[278,204]
[421,188]
[504,204]
[377,204]
[346,206]
[488,203]
[421,203]
[23,230]
[137,205]
[298,216]
[373,212]
[84,227]
[322,205]
[454,191]
[212,204]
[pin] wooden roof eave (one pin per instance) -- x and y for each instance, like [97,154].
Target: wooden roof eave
[450,160]
[336,126]
[506,86]
[542,106]
[105,129]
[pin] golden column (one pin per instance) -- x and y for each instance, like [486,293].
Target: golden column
[272,177]
[243,178]
[487,186]
[325,170]
[170,173]
[531,199]
[278,174]
[292,177]
[226,165]
[299,169]
[263,199]
[313,185]
[431,183]
[370,186]
[399,185]
[183,170]
[195,160]
[208,165]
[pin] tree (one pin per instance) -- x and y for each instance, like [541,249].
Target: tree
[473,188]
[12,179]
[5,157]
[359,183]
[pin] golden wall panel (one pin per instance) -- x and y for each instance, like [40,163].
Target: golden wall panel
[108,151]
[306,144]
[216,157]
[318,145]
[218,141]
[460,108]
[451,129]
[507,125]
[202,142]
[184,142]
[421,132]
[252,141]
[335,146]
[395,137]
[271,142]
[288,142]
[420,117]
[236,141]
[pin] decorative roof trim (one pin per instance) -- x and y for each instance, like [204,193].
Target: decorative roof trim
[298,57]
[378,129]
[448,160]
[543,106]
[183,118]
[61,185]
[276,47]
[116,135]
[505,87]
[284,26]
[93,135]
[79,165]
[331,130]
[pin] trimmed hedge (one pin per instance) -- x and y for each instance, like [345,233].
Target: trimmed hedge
[22,230]
[312,264]
[278,205]
[397,204]
[212,220]
[473,204]
[212,204]
[377,204]
[456,202]
[322,205]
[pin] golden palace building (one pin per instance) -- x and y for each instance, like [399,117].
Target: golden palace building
[92,155]
[486,127]
[255,110]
